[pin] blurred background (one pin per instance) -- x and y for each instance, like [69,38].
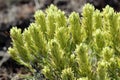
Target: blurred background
[20,13]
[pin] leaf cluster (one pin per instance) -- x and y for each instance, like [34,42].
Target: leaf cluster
[70,48]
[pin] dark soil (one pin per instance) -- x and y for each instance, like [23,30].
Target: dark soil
[20,13]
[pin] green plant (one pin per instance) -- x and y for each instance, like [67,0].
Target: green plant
[70,48]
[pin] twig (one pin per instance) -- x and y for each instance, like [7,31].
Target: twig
[37,5]
[5,56]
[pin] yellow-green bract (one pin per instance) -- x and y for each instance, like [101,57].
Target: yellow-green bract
[70,48]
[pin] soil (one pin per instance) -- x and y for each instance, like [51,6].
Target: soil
[20,13]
